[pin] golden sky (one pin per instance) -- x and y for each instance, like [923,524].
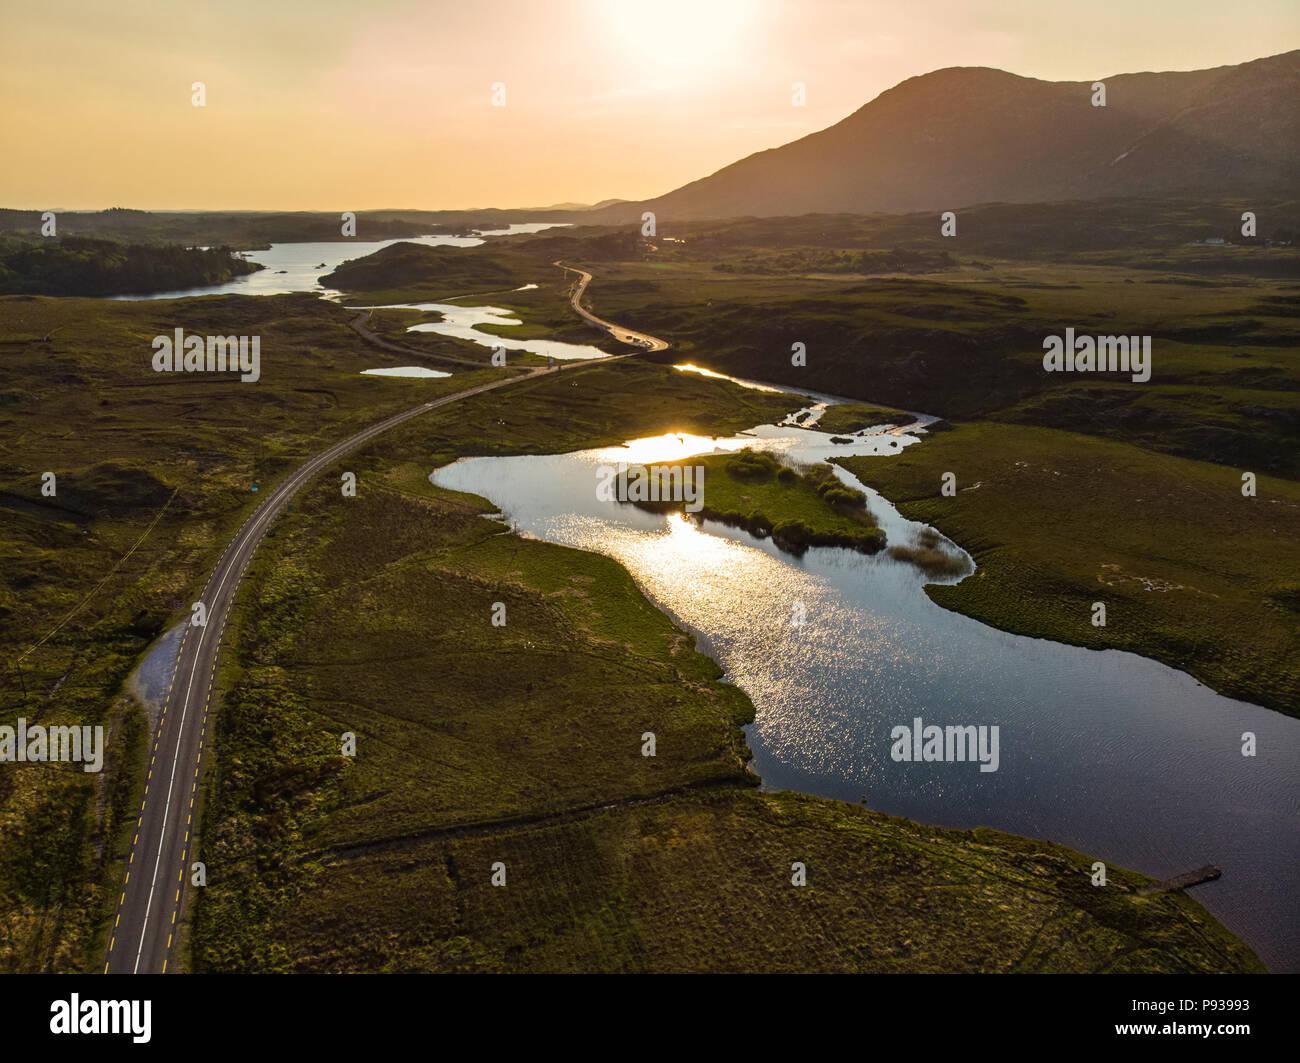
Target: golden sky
[333,105]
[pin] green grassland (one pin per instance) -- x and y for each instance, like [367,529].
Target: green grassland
[1130,231]
[175,456]
[964,338]
[1225,384]
[128,444]
[522,744]
[1192,572]
[855,416]
[406,272]
[154,473]
[701,883]
[594,406]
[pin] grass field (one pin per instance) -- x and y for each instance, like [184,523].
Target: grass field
[702,883]
[962,339]
[1225,383]
[854,416]
[176,455]
[153,472]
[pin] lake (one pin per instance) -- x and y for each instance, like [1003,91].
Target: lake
[298,267]
[406,371]
[1112,754]
[461,322]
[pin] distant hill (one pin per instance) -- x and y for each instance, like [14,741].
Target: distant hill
[402,264]
[254,229]
[582,206]
[968,135]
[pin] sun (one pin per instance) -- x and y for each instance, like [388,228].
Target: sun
[675,37]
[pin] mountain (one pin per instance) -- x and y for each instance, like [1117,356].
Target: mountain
[968,135]
[582,206]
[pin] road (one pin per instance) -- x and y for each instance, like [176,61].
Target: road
[154,887]
[624,335]
[361,325]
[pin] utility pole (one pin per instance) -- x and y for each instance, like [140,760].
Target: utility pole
[17,666]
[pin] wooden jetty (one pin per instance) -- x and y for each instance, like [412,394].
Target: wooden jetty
[1208,873]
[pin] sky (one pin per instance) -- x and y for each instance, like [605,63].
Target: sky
[339,105]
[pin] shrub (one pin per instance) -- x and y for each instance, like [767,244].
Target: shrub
[931,562]
[792,534]
[752,466]
[841,496]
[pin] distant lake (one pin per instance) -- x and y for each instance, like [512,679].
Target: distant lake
[405,370]
[461,322]
[1112,754]
[298,267]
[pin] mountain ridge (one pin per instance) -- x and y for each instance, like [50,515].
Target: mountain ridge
[959,136]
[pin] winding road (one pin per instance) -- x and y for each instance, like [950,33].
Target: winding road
[157,873]
[624,335]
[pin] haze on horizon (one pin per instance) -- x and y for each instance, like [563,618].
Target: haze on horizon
[330,106]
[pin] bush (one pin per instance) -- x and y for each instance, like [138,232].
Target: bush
[931,562]
[752,466]
[792,534]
